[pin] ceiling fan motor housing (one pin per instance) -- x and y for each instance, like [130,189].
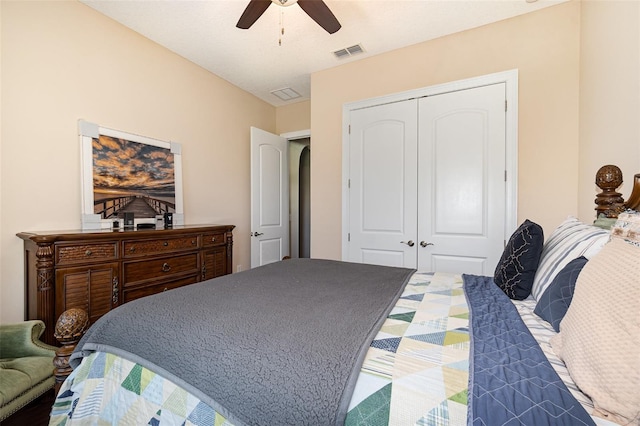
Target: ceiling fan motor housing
[284,2]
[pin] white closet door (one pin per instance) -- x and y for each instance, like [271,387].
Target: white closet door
[461,180]
[383,184]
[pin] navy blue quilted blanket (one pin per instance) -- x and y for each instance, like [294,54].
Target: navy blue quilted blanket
[511,382]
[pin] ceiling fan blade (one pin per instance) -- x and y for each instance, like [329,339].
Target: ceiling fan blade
[319,12]
[254,10]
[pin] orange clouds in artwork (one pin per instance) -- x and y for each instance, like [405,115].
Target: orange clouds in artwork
[120,165]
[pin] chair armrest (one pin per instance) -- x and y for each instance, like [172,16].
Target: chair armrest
[23,339]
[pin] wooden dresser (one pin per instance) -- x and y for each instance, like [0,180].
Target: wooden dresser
[97,270]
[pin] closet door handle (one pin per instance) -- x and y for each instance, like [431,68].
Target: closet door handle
[424,244]
[410,243]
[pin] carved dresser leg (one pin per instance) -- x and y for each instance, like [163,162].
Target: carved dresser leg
[70,328]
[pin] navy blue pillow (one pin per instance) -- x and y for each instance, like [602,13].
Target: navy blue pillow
[519,262]
[555,300]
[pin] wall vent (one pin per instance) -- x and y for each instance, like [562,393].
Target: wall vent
[349,51]
[286,94]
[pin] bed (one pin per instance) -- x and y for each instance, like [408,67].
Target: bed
[320,342]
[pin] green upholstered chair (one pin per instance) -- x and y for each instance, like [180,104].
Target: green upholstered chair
[26,365]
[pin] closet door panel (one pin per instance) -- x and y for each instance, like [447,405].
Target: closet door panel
[472,265]
[461,188]
[458,173]
[383,194]
[383,184]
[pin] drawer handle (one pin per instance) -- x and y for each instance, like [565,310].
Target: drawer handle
[193,242]
[165,289]
[166,267]
[132,249]
[88,253]
[166,243]
[213,239]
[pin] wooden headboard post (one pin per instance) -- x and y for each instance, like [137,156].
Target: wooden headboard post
[633,202]
[609,202]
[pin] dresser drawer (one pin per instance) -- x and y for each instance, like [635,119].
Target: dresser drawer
[135,248]
[159,268]
[68,254]
[147,290]
[213,239]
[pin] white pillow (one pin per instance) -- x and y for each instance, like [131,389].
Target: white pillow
[568,241]
[599,338]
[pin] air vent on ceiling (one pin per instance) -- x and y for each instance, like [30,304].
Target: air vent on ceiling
[286,94]
[348,51]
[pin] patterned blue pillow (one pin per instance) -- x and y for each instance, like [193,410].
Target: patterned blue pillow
[519,262]
[555,300]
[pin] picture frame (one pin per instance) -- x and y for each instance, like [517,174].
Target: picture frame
[124,172]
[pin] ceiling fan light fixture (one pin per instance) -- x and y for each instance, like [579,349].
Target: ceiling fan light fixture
[284,3]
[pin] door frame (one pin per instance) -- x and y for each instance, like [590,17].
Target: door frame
[509,77]
[294,235]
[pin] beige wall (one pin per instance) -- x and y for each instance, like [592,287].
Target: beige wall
[609,94]
[294,117]
[543,46]
[62,61]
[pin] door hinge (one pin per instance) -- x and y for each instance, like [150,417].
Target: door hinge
[505,175]
[349,183]
[505,105]
[349,236]
[349,128]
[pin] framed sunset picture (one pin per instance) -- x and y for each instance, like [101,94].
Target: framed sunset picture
[123,172]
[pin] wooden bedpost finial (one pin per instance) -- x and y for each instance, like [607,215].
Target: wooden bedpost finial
[609,202]
[70,328]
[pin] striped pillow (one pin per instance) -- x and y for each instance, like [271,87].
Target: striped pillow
[568,241]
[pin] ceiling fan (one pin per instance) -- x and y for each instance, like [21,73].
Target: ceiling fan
[316,9]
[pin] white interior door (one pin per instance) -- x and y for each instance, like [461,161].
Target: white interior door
[269,197]
[383,184]
[461,180]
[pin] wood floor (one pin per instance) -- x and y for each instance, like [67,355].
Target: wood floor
[34,414]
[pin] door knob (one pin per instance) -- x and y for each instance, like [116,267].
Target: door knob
[409,243]
[257,234]
[424,244]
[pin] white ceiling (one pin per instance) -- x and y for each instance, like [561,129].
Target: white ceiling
[204,32]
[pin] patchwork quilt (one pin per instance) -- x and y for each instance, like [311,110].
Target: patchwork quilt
[416,372]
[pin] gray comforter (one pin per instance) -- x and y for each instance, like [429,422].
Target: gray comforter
[277,345]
